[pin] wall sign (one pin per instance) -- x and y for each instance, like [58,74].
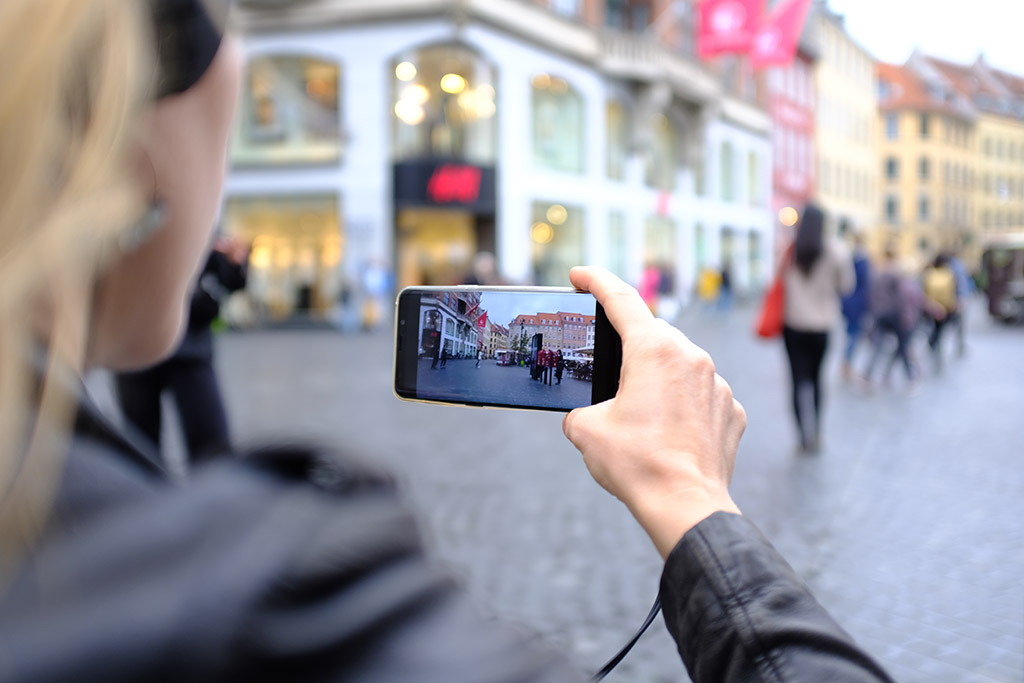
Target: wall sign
[445,184]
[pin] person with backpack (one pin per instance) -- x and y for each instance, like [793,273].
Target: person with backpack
[939,283]
[895,308]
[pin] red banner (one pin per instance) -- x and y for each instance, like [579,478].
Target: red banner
[727,26]
[481,322]
[777,37]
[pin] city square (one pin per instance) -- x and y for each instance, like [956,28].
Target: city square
[906,526]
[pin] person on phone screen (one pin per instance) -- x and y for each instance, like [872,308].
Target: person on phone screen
[294,562]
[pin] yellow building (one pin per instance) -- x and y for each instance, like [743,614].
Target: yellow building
[999,142]
[926,162]
[961,129]
[845,139]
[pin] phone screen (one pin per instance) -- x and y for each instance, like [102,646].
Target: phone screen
[537,348]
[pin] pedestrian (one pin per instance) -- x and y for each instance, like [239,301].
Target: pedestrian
[939,282]
[725,289]
[856,305]
[435,353]
[189,375]
[545,366]
[292,562]
[444,355]
[964,291]
[820,272]
[479,357]
[709,286]
[895,306]
[559,366]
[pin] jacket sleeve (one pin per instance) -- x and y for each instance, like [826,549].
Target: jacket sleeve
[739,612]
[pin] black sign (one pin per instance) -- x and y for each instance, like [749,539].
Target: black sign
[445,184]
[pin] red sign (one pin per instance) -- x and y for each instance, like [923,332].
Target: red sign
[454,183]
[727,26]
[777,36]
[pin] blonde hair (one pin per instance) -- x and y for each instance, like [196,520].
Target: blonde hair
[77,74]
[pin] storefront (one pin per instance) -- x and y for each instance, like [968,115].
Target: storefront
[443,136]
[295,263]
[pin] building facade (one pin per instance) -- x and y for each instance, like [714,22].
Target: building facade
[846,109]
[448,323]
[925,128]
[411,137]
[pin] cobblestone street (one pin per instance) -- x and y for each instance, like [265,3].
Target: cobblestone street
[490,382]
[907,525]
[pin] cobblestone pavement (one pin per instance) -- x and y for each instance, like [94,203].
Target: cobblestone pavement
[907,525]
[462,380]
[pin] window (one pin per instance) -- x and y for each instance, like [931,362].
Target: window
[290,112]
[892,126]
[444,105]
[556,245]
[754,180]
[923,209]
[925,124]
[618,247]
[825,175]
[892,210]
[892,168]
[728,171]
[986,147]
[568,8]
[924,168]
[558,130]
[662,157]
[618,140]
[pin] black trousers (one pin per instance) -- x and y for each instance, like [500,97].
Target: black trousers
[806,351]
[193,384]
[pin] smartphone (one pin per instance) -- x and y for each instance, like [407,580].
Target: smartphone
[535,348]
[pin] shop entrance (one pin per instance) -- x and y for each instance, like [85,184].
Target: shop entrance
[437,246]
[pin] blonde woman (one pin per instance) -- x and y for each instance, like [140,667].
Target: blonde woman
[290,563]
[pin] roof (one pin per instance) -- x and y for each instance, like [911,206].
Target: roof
[907,89]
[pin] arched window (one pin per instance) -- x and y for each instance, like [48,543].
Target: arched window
[290,112]
[558,130]
[444,105]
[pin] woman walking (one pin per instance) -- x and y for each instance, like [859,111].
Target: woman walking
[819,273]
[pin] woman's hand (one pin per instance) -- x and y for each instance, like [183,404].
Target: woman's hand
[666,444]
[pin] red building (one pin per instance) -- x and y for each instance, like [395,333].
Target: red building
[791,102]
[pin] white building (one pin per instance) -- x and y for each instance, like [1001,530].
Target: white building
[412,134]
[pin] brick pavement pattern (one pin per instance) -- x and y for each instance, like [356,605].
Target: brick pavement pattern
[907,525]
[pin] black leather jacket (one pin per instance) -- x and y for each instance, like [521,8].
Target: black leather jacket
[293,564]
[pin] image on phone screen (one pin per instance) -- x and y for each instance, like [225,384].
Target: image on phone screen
[539,348]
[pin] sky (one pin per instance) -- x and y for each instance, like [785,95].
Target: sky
[956,31]
[502,307]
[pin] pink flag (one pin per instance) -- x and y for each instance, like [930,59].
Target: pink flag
[776,38]
[727,26]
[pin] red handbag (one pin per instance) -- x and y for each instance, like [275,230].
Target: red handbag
[773,308]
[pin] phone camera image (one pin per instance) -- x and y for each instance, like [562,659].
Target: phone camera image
[517,349]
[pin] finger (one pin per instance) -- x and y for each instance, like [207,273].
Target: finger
[626,311]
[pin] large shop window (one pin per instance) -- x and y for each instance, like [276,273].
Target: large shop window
[558,130]
[295,267]
[444,105]
[290,112]
[663,157]
[556,235]
[618,139]
[660,250]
